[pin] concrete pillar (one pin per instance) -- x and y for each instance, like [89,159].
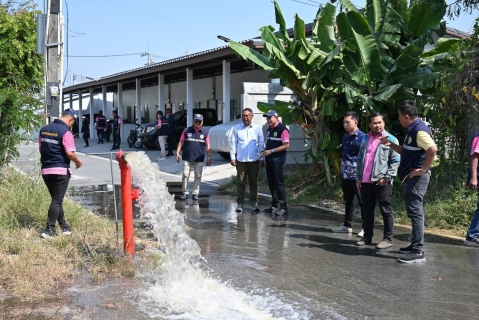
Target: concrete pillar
[161,92]
[120,109]
[92,124]
[189,97]
[80,104]
[138,101]
[226,91]
[103,93]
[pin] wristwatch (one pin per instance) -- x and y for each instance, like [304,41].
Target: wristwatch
[272,150]
[423,171]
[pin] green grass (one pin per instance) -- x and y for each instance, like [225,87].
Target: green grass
[31,267]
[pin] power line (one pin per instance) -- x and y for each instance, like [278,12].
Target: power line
[308,4]
[106,56]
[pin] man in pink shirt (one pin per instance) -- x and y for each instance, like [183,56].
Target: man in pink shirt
[57,149]
[376,168]
[277,145]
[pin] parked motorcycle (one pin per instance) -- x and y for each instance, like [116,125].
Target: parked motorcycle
[133,140]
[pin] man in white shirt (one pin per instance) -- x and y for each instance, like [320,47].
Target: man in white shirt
[246,144]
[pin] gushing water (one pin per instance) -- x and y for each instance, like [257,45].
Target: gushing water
[181,289]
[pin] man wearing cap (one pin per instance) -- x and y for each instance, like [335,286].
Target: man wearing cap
[85,129]
[277,144]
[246,144]
[57,149]
[196,142]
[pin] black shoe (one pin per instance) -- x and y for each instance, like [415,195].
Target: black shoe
[87,146]
[413,257]
[195,197]
[99,141]
[269,210]
[406,250]
[49,232]
[169,154]
[65,228]
[114,148]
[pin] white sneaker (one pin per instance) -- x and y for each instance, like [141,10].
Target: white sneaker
[184,196]
[342,229]
[239,208]
[361,233]
[161,159]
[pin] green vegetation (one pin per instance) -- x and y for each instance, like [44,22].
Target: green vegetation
[32,267]
[21,75]
[366,62]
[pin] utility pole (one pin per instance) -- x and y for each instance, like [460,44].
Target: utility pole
[53,46]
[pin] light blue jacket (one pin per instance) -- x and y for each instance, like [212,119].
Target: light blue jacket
[386,160]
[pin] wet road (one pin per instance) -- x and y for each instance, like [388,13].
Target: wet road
[322,275]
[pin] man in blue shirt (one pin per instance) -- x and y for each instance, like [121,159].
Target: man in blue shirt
[246,144]
[350,145]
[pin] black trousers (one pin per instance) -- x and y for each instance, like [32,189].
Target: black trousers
[57,186]
[100,132]
[171,143]
[116,139]
[372,194]
[350,192]
[274,173]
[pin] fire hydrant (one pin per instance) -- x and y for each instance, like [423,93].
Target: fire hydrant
[128,195]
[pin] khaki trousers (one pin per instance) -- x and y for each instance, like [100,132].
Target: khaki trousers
[248,170]
[198,167]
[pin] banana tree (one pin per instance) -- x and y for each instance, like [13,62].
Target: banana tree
[366,61]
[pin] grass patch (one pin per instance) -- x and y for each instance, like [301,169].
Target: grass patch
[448,206]
[31,267]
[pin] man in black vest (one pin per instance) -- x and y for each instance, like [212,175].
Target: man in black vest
[277,144]
[100,124]
[115,128]
[57,149]
[195,142]
[171,132]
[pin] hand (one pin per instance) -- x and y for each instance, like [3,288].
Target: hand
[415,173]
[208,162]
[382,183]
[178,156]
[78,164]
[472,183]
[266,153]
[233,162]
[358,185]
[385,141]
[261,163]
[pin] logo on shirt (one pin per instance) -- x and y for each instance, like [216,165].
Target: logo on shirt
[202,137]
[275,134]
[190,135]
[410,140]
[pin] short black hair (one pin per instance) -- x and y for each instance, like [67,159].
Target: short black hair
[352,114]
[159,112]
[115,112]
[248,109]
[408,107]
[100,112]
[374,115]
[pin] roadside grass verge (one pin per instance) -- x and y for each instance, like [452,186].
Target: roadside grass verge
[448,205]
[32,268]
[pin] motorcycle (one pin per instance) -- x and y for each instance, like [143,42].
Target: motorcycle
[133,140]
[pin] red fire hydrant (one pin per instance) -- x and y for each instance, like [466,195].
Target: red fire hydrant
[128,195]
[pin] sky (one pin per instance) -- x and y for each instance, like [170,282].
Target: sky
[169,29]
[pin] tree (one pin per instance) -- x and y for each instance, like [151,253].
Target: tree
[21,75]
[368,62]
[455,9]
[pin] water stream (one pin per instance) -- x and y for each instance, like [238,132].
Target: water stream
[184,288]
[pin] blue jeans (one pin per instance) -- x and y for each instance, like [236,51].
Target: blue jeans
[414,190]
[473,231]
